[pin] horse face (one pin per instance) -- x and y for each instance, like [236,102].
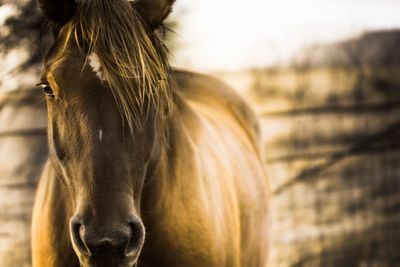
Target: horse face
[102,164]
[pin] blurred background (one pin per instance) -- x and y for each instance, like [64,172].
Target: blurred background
[324,78]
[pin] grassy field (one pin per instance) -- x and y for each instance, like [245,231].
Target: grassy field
[332,141]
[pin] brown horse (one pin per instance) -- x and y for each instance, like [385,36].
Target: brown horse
[148,166]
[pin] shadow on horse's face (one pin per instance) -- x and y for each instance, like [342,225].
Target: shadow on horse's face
[100,161]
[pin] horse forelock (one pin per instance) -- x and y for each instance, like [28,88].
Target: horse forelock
[132,60]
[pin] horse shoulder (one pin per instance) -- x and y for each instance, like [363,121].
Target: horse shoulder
[51,246]
[219,146]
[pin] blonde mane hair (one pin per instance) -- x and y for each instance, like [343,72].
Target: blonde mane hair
[133,60]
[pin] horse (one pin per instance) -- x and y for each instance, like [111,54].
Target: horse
[148,165]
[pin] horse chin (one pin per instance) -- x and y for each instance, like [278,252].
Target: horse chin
[107,260]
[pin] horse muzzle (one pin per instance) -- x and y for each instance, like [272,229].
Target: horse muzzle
[115,247]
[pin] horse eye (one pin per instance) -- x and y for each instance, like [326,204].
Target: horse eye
[46,88]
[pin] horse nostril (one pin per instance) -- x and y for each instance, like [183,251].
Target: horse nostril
[107,245]
[76,237]
[125,241]
[136,239]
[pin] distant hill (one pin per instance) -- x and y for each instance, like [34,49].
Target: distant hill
[375,48]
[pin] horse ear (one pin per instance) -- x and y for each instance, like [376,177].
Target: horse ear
[57,11]
[153,11]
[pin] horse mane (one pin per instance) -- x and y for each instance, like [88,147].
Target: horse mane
[133,59]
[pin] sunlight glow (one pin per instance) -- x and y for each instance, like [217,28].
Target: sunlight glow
[234,34]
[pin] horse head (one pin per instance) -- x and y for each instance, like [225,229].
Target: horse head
[106,87]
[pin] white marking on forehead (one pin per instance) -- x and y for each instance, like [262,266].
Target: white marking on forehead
[101,134]
[94,62]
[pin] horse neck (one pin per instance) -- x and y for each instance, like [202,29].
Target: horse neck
[167,129]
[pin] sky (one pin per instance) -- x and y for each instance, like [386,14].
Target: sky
[227,35]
